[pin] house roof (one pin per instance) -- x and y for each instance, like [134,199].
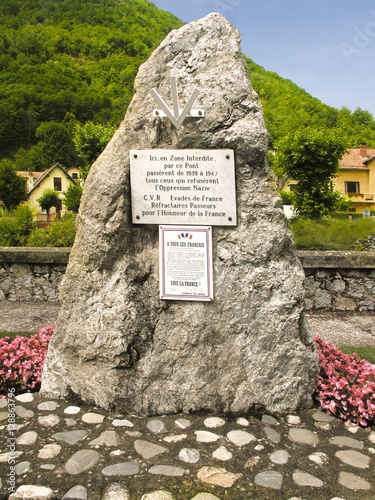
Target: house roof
[353,158]
[26,174]
[47,172]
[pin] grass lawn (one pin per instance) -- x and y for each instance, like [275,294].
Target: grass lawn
[13,335]
[367,353]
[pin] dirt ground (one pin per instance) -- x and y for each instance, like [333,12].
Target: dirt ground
[337,328]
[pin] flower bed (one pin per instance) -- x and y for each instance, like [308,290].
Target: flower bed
[21,361]
[346,385]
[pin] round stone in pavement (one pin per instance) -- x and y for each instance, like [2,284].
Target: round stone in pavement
[81,460]
[206,436]
[321,416]
[48,406]
[303,436]
[115,491]
[92,418]
[345,441]
[25,398]
[353,482]
[189,455]
[183,423]
[31,492]
[304,479]
[22,468]
[72,410]
[23,413]
[272,435]
[122,422]
[279,457]
[49,420]
[49,451]
[166,470]
[148,450]
[353,458]
[222,454]
[214,422]
[240,438]
[156,426]
[217,476]
[158,495]
[122,469]
[78,492]
[27,438]
[70,437]
[269,479]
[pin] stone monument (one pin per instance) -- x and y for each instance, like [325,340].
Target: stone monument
[117,344]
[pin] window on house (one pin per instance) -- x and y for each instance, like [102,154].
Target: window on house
[351,187]
[75,176]
[57,184]
[292,187]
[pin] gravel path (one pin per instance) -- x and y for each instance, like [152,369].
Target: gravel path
[337,328]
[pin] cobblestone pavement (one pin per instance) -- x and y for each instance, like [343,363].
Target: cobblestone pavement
[64,450]
[60,450]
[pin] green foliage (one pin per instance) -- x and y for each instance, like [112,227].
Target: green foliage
[287,197]
[15,228]
[60,233]
[13,187]
[48,199]
[71,56]
[330,234]
[72,197]
[288,108]
[311,157]
[90,140]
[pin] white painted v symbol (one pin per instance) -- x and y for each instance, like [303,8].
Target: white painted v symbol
[175,117]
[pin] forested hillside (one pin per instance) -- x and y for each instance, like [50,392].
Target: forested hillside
[66,62]
[287,107]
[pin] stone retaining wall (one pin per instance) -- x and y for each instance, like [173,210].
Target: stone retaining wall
[32,273]
[335,281]
[339,281]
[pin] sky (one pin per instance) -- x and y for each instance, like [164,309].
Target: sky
[326,47]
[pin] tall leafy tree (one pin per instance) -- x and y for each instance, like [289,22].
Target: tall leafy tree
[72,197]
[13,187]
[311,157]
[48,200]
[90,140]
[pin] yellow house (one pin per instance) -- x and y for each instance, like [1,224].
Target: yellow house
[355,179]
[57,178]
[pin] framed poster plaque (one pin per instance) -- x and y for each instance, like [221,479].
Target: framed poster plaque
[185,255]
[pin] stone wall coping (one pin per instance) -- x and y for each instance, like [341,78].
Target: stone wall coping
[309,258]
[336,260]
[34,255]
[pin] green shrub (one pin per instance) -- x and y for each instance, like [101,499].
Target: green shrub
[287,197]
[60,233]
[15,228]
[330,234]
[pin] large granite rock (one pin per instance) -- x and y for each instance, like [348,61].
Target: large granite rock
[117,344]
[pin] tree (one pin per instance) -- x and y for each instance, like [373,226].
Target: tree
[72,198]
[90,140]
[312,157]
[13,187]
[48,200]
